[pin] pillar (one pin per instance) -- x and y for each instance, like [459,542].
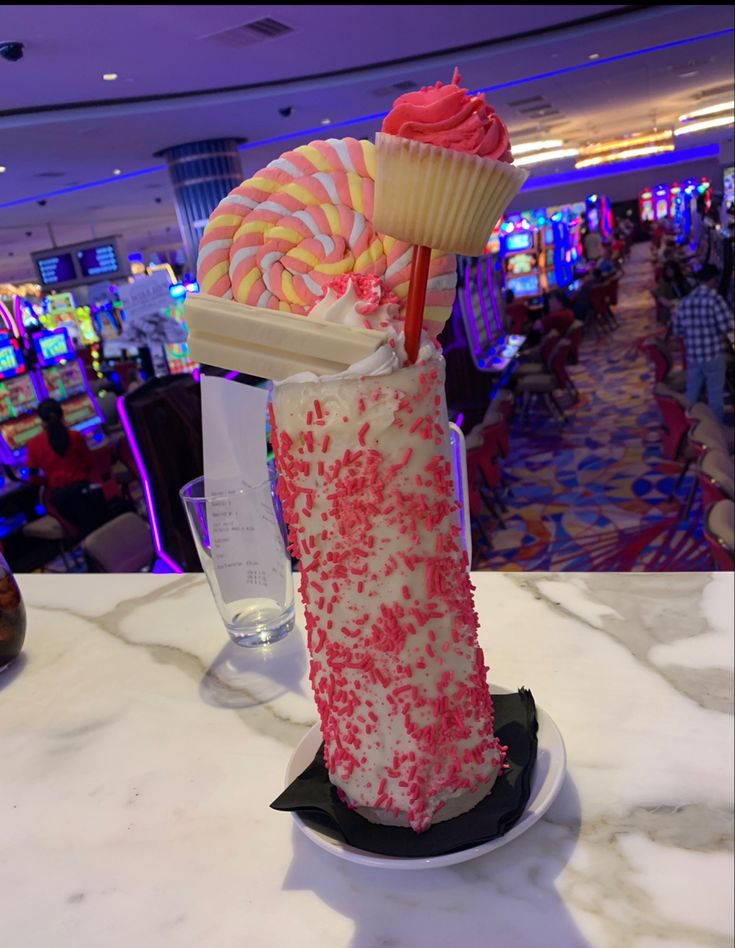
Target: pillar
[202,173]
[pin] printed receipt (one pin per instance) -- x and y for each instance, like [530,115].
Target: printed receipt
[247,545]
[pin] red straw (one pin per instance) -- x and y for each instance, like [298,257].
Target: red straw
[416,299]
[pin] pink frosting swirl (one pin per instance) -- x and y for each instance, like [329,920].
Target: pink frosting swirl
[447,116]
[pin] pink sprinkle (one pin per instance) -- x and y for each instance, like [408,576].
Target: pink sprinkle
[318,408]
[406,594]
[362,432]
[325,442]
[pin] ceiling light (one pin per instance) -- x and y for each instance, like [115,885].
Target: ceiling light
[546,156]
[2,168]
[631,142]
[708,110]
[326,121]
[593,56]
[109,76]
[528,147]
[117,171]
[688,75]
[707,123]
[622,155]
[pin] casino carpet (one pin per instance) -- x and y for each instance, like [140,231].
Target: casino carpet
[595,494]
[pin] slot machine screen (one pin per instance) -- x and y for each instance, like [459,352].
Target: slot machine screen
[549,258]
[520,263]
[63,381]
[518,242]
[53,347]
[593,218]
[549,235]
[528,285]
[9,357]
[79,412]
[17,397]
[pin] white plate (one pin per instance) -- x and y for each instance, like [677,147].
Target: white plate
[548,776]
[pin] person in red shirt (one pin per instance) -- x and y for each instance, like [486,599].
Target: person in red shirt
[58,458]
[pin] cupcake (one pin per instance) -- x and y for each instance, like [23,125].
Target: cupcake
[444,170]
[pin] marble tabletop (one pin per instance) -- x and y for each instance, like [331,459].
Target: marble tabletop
[139,753]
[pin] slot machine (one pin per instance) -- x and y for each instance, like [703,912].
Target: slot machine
[521,268]
[19,399]
[661,202]
[63,378]
[645,205]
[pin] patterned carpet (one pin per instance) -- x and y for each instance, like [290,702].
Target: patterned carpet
[595,494]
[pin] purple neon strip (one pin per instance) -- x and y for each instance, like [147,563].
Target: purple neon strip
[491,293]
[7,319]
[147,492]
[470,313]
[483,306]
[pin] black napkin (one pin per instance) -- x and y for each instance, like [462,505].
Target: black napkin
[314,798]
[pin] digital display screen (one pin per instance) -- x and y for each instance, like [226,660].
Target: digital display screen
[79,412]
[11,361]
[518,242]
[549,258]
[53,347]
[593,218]
[97,261]
[548,235]
[17,396]
[520,263]
[63,381]
[19,431]
[524,285]
[56,269]
[83,262]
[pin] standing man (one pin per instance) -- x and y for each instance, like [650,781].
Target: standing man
[702,319]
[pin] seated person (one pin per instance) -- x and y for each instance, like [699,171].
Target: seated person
[557,315]
[59,459]
[606,265]
[672,286]
[592,245]
[516,315]
[582,300]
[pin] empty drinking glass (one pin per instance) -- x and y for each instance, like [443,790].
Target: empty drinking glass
[240,537]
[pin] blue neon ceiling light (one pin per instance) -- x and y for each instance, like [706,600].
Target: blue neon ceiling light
[320,130]
[84,187]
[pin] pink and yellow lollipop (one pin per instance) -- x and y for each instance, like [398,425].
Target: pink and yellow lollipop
[283,235]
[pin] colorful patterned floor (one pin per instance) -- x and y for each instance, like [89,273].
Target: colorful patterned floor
[595,494]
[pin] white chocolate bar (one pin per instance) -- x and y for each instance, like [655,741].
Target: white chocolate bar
[271,344]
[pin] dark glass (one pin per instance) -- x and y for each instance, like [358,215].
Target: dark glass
[12,616]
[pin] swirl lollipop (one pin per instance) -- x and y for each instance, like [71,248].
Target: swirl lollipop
[279,239]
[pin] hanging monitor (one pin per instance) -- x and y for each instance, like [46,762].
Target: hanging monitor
[75,264]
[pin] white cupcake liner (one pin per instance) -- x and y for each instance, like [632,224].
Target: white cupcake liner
[440,198]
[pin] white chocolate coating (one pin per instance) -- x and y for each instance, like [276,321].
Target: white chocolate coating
[398,676]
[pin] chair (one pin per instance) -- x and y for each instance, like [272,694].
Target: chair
[517,318]
[703,437]
[122,545]
[715,473]
[537,359]
[662,363]
[52,528]
[503,402]
[719,531]
[672,408]
[542,386]
[574,334]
